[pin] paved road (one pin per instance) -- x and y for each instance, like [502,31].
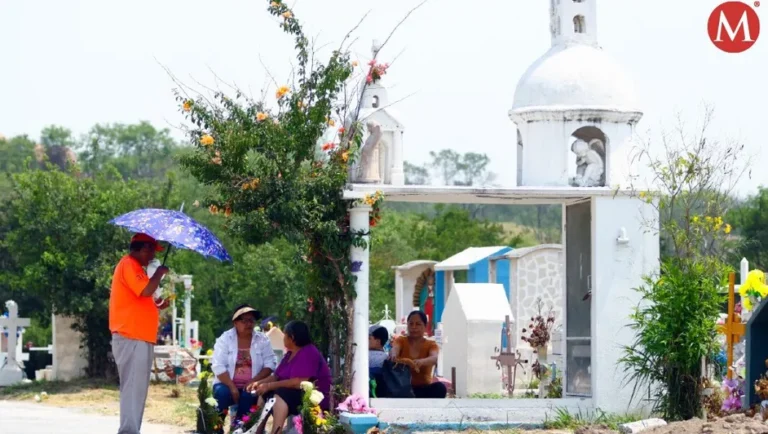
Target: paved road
[28,418]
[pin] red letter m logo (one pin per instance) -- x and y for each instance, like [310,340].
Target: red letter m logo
[733,27]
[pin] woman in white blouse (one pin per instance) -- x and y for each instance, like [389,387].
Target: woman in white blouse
[241,356]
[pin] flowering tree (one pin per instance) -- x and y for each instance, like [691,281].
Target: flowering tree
[675,323]
[278,173]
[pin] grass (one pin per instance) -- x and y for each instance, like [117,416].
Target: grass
[565,420]
[104,398]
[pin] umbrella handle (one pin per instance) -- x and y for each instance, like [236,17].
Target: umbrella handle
[167,251]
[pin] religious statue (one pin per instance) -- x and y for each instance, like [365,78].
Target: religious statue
[590,163]
[368,168]
[429,306]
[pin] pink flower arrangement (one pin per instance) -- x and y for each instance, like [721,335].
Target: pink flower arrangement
[355,404]
[298,425]
[376,72]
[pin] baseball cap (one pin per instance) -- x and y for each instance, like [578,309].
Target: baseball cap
[144,238]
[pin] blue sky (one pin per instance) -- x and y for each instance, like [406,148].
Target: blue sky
[76,63]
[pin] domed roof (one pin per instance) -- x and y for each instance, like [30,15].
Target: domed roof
[573,77]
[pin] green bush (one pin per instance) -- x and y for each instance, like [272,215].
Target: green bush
[675,325]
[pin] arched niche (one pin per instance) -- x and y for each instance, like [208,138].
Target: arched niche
[588,146]
[579,24]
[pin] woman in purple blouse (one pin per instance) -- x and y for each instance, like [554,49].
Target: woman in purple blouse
[301,362]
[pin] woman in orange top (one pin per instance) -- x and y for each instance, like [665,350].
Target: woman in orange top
[423,353]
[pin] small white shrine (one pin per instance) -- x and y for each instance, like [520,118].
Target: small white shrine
[477,312]
[381,154]
[535,273]
[409,277]
[575,111]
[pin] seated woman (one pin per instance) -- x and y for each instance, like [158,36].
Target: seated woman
[423,354]
[241,357]
[302,362]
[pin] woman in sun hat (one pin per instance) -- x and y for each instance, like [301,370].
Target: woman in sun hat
[241,356]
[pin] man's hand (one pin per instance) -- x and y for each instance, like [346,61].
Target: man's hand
[160,272]
[162,303]
[235,393]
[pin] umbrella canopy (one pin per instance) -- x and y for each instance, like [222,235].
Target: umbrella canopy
[175,228]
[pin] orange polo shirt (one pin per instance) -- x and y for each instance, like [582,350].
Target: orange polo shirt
[131,315]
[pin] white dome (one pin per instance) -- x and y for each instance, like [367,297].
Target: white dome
[575,77]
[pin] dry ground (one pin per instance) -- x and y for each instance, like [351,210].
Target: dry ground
[166,406]
[103,398]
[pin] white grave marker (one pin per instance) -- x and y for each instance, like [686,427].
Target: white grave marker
[11,373]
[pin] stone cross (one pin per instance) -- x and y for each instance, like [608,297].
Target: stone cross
[508,359]
[10,373]
[733,328]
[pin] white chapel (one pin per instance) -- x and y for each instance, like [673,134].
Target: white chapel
[574,95]
[575,110]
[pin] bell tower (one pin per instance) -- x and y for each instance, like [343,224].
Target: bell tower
[573,21]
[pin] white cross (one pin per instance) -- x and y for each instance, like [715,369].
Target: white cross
[12,323]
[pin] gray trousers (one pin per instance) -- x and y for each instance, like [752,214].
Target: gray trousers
[134,364]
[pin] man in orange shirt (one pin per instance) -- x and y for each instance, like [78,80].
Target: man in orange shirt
[133,321]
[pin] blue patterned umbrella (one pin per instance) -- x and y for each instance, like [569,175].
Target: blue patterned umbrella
[175,228]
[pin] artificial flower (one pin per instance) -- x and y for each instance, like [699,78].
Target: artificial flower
[281,91]
[207,140]
[260,116]
[341,130]
[306,386]
[246,419]
[187,105]
[298,424]
[316,397]
[287,14]
[345,156]
[754,286]
[211,401]
[328,146]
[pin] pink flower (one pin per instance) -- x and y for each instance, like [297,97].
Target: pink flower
[372,62]
[343,406]
[356,406]
[246,419]
[369,79]
[298,425]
